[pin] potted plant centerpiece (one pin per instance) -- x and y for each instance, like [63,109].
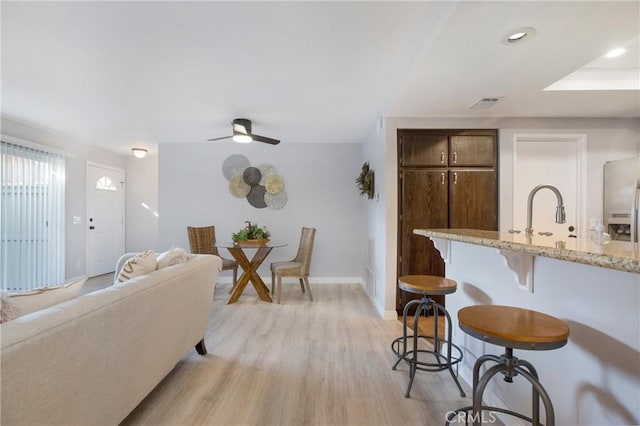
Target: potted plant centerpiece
[251,235]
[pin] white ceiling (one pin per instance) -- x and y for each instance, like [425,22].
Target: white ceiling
[125,74]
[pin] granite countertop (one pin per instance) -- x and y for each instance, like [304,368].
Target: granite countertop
[619,255]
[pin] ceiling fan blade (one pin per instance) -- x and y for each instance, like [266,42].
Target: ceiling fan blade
[218,139]
[239,128]
[265,139]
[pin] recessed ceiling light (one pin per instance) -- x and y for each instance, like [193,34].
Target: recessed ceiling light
[614,53]
[518,35]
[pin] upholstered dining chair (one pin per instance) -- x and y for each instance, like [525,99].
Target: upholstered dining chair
[202,240]
[297,267]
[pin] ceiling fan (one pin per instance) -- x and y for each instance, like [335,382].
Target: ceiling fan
[242,133]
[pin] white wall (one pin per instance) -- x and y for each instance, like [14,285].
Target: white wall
[141,187]
[607,139]
[320,183]
[75,191]
[373,152]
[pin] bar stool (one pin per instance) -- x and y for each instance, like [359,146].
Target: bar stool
[512,328]
[427,286]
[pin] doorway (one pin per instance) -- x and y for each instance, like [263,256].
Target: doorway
[105,218]
[552,159]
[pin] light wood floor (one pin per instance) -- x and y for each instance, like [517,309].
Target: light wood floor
[326,362]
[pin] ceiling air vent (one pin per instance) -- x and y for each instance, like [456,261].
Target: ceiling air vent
[485,103]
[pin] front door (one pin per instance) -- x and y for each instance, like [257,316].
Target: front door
[105,218]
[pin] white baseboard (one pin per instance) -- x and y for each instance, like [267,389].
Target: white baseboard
[331,280]
[386,315]
[312,280]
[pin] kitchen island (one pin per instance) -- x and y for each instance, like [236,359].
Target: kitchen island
[595,289]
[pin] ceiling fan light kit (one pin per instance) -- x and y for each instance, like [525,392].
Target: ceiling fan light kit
[242,138]
[242,133]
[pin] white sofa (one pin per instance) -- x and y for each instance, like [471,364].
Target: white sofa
[93,359]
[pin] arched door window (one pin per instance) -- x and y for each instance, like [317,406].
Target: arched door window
[106,184]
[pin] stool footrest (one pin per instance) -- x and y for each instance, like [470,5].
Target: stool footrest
[406,348]
[442,362]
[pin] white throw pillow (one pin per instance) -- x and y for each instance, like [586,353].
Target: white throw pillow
[141,264]
[172,257]
[40,298]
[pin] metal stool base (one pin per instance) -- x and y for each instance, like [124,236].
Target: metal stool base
[442,361]
[510,367]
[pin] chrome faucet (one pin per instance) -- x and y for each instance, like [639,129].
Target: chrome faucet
[560,215]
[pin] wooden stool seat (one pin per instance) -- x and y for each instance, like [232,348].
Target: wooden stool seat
[427,284]
[513,327]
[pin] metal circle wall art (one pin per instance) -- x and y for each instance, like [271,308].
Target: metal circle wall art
[275,201]
[266,170]
[274,184]
[256,197]
[238,188]
[262,186]
[252,176]
[234,165]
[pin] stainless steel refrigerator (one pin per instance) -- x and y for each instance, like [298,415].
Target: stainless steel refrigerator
[622,198]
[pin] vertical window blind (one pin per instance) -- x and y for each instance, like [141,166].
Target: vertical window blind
[31,218]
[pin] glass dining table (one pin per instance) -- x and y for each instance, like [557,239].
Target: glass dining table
[250,267]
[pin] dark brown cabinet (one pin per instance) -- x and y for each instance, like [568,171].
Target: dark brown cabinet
[446,179]
[424,149]
[422,188]
[473,199]
[472,151]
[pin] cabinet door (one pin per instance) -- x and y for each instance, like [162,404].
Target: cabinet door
[422,148]
[472,150]
[473,199]
[423,204]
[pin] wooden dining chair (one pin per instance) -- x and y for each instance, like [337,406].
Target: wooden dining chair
[202,240]
[297,267]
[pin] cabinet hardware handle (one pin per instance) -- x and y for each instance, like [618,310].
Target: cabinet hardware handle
[455,157]
[442,178]
[442,157]
[455,178]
